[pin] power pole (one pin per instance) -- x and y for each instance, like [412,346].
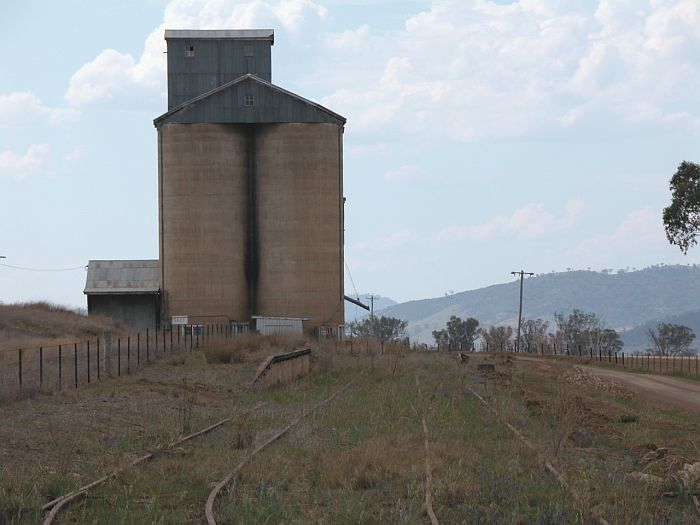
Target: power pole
[522,274]
[371,314]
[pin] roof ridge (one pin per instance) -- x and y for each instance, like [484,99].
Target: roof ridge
[242,78]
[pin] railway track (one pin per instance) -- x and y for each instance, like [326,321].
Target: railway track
[428,466]
[556,473]
[211,499]
[55,506]
[423,403]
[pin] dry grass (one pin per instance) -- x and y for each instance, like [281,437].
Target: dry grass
[357,460]
[249,347]
[42,324]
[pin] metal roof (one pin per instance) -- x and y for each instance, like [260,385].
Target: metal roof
[273,105]
[123,277]
[220,34]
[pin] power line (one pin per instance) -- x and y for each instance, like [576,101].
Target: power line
[351,280]
[84,267]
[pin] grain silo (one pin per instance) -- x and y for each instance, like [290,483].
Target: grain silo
[250,188]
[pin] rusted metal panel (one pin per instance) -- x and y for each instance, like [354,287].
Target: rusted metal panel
[120,277]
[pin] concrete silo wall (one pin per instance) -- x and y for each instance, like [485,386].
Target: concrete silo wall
[202,218]
[300,222]
[251,221]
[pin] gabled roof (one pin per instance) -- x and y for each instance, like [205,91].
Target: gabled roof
[122,277]
[227,104]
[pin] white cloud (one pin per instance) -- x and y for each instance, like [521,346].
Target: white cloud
[113,73]
[463,69]
[639,228]
[639,237]
[73,156]
[472,69]
[386,242]
[23,109]
[19,166]
[530,222]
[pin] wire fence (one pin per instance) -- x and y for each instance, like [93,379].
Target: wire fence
[26,371]
[659,364]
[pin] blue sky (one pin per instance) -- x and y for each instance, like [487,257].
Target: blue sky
[482,137]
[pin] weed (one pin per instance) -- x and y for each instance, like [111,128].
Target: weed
[184,416]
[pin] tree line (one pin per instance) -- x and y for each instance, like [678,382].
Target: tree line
[579,329]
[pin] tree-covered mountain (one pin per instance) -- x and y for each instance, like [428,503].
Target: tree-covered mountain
[624,300]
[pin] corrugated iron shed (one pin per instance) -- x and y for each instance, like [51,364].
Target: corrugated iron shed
[123,277]
[247,100]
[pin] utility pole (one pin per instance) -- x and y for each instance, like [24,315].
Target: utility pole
[522,274]
[371,314]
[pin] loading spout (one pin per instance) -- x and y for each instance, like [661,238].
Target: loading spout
[357,302]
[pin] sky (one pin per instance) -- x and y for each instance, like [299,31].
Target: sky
[482,137]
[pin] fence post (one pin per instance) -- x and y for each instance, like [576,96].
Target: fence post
[147,352]
[138,348]
[41,366]
[75,363]
[197,346]
[59,366]
[20,368]
[128,354]
[108,354]
[98,358]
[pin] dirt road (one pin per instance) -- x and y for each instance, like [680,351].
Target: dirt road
[671,391]
[662,390]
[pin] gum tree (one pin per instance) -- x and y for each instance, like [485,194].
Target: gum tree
[682,217]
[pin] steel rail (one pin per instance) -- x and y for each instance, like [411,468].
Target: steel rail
[428,468]
[547,464]
[56,505]
[209,506]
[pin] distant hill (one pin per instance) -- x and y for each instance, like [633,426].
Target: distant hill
[353,312]
[636,338]
[624,300]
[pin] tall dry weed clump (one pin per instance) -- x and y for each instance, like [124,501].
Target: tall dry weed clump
[236,349]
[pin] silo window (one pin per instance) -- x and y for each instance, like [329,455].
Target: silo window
[189,51]
[249,99]
[247,51]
